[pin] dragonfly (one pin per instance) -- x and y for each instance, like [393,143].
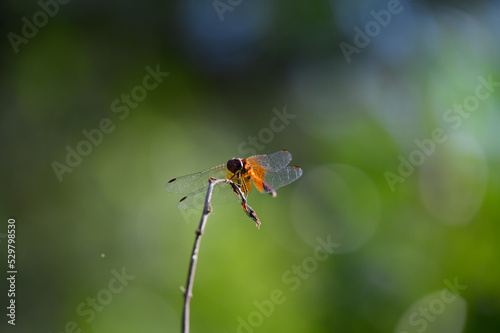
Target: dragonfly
[266,172]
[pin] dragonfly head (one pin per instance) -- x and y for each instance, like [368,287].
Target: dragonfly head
[234,165]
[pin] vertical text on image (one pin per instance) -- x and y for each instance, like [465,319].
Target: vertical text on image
[11,270]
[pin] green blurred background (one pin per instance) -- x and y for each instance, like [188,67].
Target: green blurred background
[395,128]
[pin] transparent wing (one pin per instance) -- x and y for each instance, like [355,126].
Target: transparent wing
[272,162]
[222,193]
[196,181]
[283,177]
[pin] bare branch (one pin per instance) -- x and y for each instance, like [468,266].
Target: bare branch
[207,209]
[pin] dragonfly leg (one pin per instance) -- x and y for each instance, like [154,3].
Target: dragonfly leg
[248,210]
[251,213]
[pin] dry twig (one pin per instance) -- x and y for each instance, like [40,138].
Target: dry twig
[188,292]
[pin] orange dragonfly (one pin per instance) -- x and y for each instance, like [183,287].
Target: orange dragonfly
[267,172]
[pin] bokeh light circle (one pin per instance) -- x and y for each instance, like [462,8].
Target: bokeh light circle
[453,181]
[436,312]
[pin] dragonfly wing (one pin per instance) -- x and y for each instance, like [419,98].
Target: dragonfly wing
[222,193]
[282,177]
[272,162]
[196,181]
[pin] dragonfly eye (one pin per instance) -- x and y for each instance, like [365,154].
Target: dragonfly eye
[234,165]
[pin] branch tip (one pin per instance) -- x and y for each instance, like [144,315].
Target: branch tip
[207,209]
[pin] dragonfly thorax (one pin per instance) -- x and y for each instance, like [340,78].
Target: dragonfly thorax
[234,165]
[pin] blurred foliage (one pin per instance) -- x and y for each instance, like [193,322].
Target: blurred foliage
[412,213]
